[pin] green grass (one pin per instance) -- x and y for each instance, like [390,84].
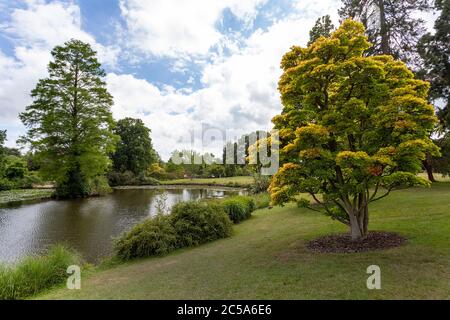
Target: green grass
[34,274]
[243,181]
[267,258]
[20,195]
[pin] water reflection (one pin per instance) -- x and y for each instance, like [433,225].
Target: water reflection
[87,225]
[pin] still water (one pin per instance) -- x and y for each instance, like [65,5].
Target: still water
[87,225]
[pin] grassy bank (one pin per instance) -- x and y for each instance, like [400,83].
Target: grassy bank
[14,196]
[35,274]
[244,181]
[267,258]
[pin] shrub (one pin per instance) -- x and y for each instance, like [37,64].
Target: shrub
[239,208]
[121,178]
[262,200]
[154,236]
[35,274]
[199,222]
[147,181]
[128,178]
[5,184]
[99,186]
[190,223]
[235,209]
[260,183]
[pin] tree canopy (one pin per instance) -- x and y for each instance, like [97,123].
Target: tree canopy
[70,122]
[322,27]
[134,151]
[435,51]
[391,26]
[352,129]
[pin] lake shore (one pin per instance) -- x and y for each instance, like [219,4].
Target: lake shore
[267,258]
[24,195]
[182,186]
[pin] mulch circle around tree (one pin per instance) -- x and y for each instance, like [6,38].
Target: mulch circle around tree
[343,243]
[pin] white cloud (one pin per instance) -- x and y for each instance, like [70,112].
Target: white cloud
[239,94]
[35,30]
[46,25]
[177,27]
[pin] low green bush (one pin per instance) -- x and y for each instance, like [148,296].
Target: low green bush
[153,237]
[199,222]
[128,178]
[239,208]
[35,274]
[189,223]
[5,184]
[235,209]
[99,186]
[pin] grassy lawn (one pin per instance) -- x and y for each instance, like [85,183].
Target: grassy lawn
[13,196]
[267,258]
[231,181]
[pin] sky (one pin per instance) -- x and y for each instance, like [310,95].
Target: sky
[179,65]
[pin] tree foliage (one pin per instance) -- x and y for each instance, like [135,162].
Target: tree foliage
[70,122]
[134,151]
[322,28]
[352,129]
[435,51]
[2,141]
[391,26]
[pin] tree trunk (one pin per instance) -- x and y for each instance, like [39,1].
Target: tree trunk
[429,168]
[384,32]
[359,221]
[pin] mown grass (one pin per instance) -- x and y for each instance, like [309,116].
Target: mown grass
[14,196]
[267,258]
[243,181]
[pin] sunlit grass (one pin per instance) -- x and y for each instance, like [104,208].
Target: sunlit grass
[231,181]
[267,258]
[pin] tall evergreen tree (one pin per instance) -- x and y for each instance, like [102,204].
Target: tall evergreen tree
[323,27]
[70,122]
[390,26]
[435,51]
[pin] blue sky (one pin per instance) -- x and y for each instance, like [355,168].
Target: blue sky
[180,65]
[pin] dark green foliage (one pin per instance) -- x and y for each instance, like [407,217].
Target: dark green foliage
[128,178]
[35,274]
[235,209]
[6,184]
[393,27]
[189,224]
[239,208]
[442,164]
[69,122]
[435,52]
[134,151]
[153,237]
[199,222]
[322,28]
[75,185]
[14,174]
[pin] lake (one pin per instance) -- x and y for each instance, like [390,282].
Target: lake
[87,225]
